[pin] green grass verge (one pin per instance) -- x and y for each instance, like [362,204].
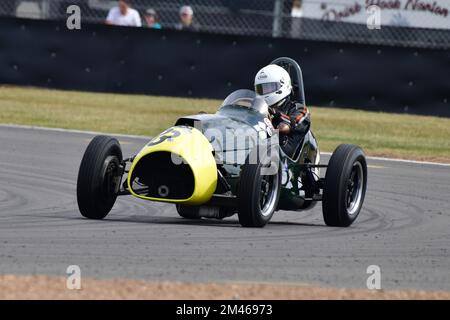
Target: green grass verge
[380,134]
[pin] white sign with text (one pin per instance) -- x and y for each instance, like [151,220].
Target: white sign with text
[406,13]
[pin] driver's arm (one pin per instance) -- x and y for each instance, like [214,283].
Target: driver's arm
[300,118]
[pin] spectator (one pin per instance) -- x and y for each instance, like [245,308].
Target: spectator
[151,19]
[297,10]
[124,15]
[297,15]
[186,20]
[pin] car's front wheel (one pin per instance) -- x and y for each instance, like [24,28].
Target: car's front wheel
[259,190]
[99,177]
[345,186]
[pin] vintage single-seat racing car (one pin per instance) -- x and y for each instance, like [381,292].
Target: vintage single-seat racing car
[217,165]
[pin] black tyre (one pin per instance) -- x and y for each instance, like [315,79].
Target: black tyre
[258,193]
[345,186]
[188,212]
[98,177]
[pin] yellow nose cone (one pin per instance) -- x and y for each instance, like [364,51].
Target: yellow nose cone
[176,166]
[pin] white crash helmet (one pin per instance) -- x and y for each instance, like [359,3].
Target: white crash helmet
[273,83]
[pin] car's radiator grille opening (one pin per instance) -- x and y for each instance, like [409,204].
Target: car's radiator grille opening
[163,175]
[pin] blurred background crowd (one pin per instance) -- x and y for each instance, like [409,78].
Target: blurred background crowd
[125,15]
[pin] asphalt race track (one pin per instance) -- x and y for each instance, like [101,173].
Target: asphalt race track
[404,228]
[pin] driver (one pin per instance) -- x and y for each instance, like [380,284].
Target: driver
[291,118]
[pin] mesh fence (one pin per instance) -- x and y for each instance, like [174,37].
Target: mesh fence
[419,23]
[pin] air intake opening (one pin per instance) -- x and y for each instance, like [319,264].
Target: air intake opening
[163,175]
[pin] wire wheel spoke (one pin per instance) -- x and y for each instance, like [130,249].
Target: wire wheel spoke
[265,188]
[354,188]
[269,185]
[109,179]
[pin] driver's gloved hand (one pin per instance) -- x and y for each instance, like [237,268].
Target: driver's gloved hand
[278,117]
[282,122]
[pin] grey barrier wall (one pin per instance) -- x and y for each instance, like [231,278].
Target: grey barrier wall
[164,62]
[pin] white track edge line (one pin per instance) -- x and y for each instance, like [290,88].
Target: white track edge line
[400,160]
[19,126]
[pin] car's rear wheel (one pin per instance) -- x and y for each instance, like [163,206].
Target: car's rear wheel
[188,212]
[258,191]
[345,186]
[99,177]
